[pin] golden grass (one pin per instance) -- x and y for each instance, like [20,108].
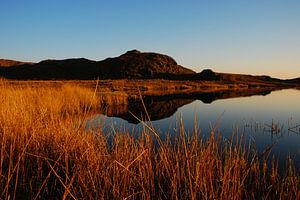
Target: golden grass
[46,153]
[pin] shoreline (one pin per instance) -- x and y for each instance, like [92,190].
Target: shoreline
[153,87]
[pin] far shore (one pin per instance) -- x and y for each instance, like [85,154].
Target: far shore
[156,87]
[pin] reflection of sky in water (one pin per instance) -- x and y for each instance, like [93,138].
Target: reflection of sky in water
[250,115]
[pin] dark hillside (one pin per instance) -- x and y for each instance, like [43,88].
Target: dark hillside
[293,81]
[133,64]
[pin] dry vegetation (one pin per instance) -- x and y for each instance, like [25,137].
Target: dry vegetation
[46,153]
[132,87]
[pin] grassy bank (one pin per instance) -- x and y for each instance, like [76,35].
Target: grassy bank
[156,87]
[46,153]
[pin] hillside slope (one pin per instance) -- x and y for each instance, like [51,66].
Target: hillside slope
[293,81]
[132,64]
[9,63]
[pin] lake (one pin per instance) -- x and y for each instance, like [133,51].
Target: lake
[267,118]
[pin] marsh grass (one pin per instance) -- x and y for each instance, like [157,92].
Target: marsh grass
[46,153]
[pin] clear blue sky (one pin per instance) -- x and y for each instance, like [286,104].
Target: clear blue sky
[242,36]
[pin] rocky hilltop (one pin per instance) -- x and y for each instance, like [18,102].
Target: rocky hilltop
[135,64]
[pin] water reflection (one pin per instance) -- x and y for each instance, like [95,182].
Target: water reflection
[159,107]
[267,118]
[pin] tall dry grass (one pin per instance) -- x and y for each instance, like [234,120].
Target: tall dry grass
[46,153]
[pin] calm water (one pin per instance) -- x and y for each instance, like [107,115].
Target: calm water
[264,117]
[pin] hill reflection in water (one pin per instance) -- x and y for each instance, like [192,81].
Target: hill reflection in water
[263,117]
[163,106]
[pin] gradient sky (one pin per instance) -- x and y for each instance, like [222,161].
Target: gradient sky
[254,36]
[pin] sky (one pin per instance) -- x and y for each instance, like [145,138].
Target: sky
[236,36]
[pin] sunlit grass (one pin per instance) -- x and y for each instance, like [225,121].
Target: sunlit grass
[46,153]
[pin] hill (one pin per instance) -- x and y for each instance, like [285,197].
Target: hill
[132,64]
[254,80]
[135,64]
[9,63]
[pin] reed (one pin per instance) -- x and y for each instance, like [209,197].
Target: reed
[47,153]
